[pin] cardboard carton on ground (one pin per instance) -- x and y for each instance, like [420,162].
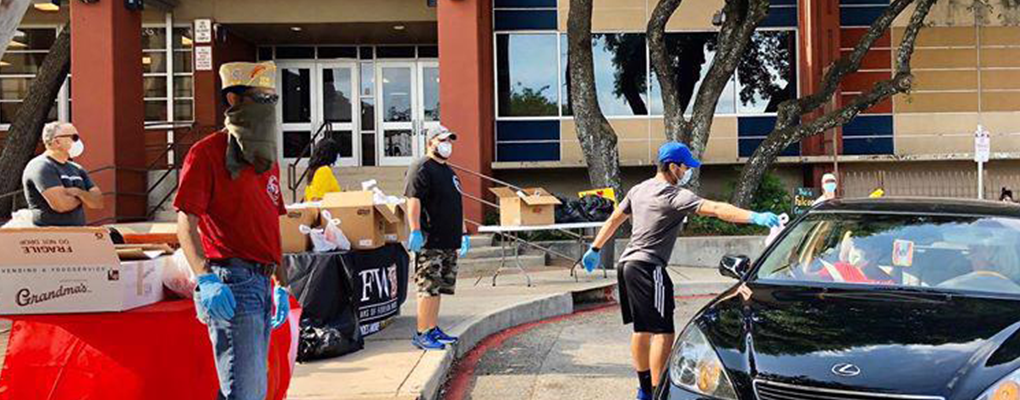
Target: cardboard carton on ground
[361,220]
[398,231]
[72,270]
[291,238]
[529,207]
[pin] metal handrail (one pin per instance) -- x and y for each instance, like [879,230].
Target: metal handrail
[295,181]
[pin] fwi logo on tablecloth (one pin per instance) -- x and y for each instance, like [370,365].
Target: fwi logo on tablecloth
[379,280]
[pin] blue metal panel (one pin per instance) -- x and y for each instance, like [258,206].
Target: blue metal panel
[527,130]
[755,126]
[518,20]
[781,17]
[511,151]
[746,148]
[883,2]
[525,4]
[867,146]
[869,125]
[859,16]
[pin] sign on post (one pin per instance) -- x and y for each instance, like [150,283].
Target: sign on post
[982,152]
[203,31]
[203,58]
[803,199]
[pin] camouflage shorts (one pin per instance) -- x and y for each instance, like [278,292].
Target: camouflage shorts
[435,272]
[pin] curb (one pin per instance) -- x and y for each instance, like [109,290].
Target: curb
[428,377]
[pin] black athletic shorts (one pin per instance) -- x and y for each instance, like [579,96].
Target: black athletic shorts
[646,297]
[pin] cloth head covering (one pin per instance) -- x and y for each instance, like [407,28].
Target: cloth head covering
[677,153]
[828,178]
[260,75]
[440,132]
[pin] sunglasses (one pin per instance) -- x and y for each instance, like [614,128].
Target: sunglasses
[263,98]
[74,137]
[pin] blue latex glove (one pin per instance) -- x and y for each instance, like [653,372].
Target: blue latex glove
[416,241]
[215,297]
[766,219]
[465,245]
[591,259]
[282,300]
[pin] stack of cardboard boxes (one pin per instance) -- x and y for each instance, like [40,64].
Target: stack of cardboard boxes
[367,222]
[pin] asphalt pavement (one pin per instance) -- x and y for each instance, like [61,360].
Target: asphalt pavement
[583,356]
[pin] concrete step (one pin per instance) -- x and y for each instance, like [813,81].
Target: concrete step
[478,241]
[487,252]
[489,265]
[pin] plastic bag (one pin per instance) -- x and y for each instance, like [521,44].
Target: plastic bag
[20,219]
[569,211]
[595,208]
[178,275]
[319,339]
[774,232]
[319,242]
[333,233]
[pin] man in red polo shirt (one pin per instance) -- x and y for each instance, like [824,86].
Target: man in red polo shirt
[228,207]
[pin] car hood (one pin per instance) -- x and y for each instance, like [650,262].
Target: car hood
[901,342]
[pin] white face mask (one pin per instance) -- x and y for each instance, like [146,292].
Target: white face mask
[686,178]
[76,149]
[444,149]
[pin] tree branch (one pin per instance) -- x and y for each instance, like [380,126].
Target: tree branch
[664,71]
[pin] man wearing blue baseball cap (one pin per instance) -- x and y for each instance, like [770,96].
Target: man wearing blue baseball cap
[659,207]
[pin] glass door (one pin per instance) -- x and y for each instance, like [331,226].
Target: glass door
[428,100]
[336,83]
[397,141]
[296,109]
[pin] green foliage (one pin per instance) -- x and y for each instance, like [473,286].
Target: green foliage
[528,101]
[771,196]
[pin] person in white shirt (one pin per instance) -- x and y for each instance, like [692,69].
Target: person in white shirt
[828,189]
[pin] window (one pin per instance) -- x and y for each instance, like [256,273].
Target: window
[767,75]
[166,64]
[183,74]
[154,68]
[621,73]
[691,56]
[20,63]
[526,78]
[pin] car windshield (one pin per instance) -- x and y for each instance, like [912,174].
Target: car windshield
[938,252]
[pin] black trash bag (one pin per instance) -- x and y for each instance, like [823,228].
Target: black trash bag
[595,208]
[319,340]
[569,211]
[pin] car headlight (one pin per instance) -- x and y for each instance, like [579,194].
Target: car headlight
[695,367]
[1006,389]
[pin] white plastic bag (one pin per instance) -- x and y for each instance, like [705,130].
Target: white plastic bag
[20,219]
[178,275]
[319,242]
[774,232]
[333,233]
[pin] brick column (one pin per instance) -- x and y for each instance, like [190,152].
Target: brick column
[107,106]
[466,92]
[819,47]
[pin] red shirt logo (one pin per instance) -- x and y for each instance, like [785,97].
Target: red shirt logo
[273,189]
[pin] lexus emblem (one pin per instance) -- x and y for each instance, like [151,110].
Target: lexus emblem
[846,370]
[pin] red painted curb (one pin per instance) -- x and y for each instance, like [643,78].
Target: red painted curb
[460,382]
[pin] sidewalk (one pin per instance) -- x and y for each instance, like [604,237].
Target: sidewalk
[390,368]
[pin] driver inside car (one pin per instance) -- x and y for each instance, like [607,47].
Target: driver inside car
[988,273]
[856,264]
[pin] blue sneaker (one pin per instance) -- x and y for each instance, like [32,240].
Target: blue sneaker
[442,337]
[427,341]
[642,395]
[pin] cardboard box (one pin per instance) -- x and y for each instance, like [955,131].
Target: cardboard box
[291,238]
[399,231]
[72,270]
[530,207]
[361,220]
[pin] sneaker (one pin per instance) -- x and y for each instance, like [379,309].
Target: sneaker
[642,395]
[442,337]
[426,341]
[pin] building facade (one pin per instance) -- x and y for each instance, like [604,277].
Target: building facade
[375,75]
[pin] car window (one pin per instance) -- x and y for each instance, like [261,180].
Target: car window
[938,252]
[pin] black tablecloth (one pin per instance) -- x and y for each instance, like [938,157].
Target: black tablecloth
[371,283]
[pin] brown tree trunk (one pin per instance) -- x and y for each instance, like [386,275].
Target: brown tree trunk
[598,140]
[26,128]
[790,125]
[677,128]
[11,13]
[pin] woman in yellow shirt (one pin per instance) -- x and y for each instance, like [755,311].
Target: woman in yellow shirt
[320,178]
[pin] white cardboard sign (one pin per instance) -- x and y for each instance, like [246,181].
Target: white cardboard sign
[203,31]
[203,58]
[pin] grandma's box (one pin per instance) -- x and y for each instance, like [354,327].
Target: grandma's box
[72,270]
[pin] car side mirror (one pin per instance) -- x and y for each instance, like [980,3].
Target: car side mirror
[734,266]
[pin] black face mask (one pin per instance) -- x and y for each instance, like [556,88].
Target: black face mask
[253,135]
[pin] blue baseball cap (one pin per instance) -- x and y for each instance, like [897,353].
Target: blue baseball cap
[677,153]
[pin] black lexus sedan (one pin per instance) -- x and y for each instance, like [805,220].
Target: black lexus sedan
[870,299]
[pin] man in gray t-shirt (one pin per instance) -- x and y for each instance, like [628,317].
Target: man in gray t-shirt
[56,188]
[659,207]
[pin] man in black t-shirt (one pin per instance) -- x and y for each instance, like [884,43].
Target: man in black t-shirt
[436,220]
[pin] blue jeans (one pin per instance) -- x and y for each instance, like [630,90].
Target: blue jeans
[241,345]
